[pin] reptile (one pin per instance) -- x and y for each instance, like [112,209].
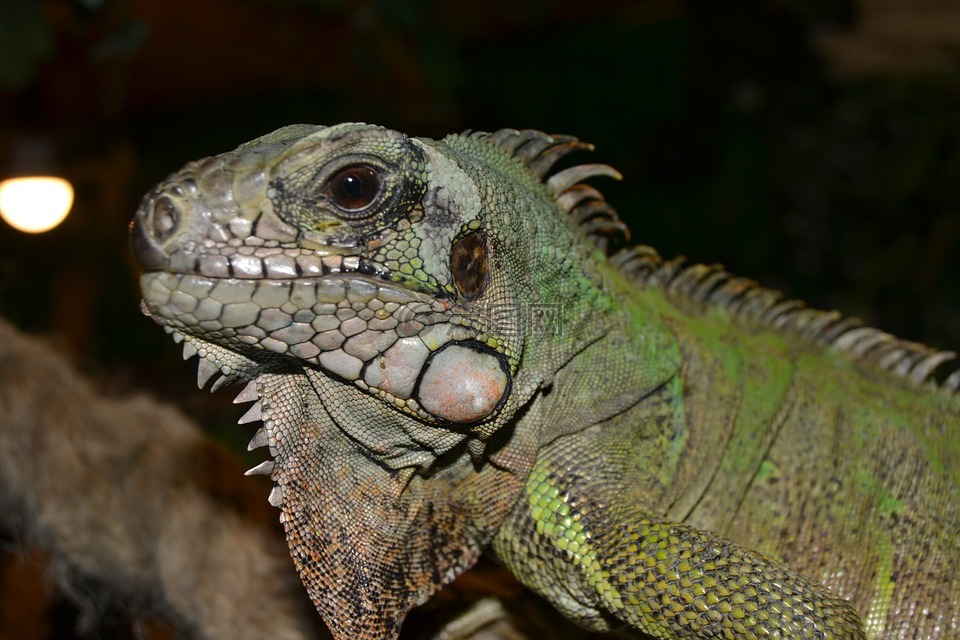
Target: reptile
[454,351]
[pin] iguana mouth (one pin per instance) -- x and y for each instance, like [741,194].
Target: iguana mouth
[384,338]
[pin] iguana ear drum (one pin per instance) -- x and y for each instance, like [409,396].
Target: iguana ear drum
[469,264]
[463,382]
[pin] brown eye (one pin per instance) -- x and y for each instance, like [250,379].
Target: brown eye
[353,188]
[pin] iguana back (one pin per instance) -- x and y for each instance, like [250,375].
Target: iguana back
[448,357]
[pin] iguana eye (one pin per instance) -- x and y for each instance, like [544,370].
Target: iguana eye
[353,188]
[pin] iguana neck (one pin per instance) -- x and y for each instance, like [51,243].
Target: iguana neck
[613,351]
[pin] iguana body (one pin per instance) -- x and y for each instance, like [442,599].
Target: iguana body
[446,361]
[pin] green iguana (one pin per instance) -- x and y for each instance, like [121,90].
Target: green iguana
[449,359]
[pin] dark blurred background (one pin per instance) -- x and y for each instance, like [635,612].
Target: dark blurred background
[813,145]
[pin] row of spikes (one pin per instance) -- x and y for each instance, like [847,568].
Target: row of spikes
[539,152]
[207,371]
[260,439]
[746,299]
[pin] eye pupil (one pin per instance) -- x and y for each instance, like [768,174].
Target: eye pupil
[353,188]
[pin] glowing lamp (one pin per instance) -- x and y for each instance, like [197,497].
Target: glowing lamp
[34,200]
[35,204]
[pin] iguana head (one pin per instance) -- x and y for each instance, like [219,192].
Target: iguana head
[394,302]
[353,249]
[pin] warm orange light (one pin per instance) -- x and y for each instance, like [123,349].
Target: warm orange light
[35,204]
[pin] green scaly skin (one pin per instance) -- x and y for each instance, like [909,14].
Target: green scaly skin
[446,361]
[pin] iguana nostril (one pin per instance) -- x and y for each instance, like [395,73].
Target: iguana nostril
[156,221]
[166,217]
[144,250]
